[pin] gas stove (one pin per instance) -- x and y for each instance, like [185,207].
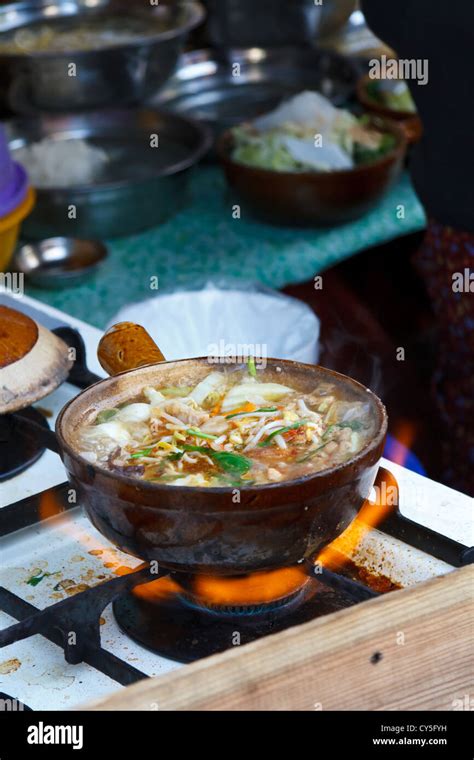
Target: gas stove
[59,575]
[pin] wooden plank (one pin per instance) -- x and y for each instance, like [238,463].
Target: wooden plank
[409,650]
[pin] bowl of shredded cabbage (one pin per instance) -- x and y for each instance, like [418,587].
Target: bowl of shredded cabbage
[310,163]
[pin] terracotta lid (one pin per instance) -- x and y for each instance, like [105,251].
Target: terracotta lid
[33,361]
[18,335]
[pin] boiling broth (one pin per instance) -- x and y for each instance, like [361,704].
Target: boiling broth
[234,428]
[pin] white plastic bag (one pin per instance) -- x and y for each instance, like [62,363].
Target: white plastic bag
[224,319]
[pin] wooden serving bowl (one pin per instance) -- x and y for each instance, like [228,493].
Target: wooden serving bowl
[314,198]
[208,530]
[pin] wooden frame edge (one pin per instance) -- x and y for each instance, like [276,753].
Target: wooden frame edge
[408,650]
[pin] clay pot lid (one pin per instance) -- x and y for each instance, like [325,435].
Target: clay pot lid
[33,361]
[18,335]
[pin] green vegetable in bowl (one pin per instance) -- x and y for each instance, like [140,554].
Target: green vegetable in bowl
[308,134]
[105,416]
[264,151]
[178,391]
[233,463]
[393,94]
[363,155]
[251,366]
[200,434]
[229,461]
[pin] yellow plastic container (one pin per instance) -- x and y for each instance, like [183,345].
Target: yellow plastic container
[10,228]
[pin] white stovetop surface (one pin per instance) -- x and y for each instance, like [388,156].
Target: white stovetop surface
[34,670]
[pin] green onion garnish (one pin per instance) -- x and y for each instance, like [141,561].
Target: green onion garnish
[249,414]
[227,460]
[329,431]
[251,366]
[189,447]
[142,453]
[199,434]
[175,457]
[354,425]
[35,579]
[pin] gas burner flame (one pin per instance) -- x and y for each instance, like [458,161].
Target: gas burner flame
[255,590]
[252,591]
[263,588]
[159,590]
[49,505]
[270,587]
[404,436]
[382,501]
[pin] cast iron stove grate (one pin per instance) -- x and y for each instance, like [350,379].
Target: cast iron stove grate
[177,626]
[171,628]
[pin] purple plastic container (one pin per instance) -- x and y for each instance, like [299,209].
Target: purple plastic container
[13,179]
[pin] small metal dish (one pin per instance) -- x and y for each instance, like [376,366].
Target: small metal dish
[58,262]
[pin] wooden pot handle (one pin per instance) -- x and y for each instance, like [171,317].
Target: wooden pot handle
[127,346]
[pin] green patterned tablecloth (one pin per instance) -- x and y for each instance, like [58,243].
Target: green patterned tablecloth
[204,241]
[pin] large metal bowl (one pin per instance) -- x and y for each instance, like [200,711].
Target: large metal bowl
[115,75]
[205,87]
[139,187]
